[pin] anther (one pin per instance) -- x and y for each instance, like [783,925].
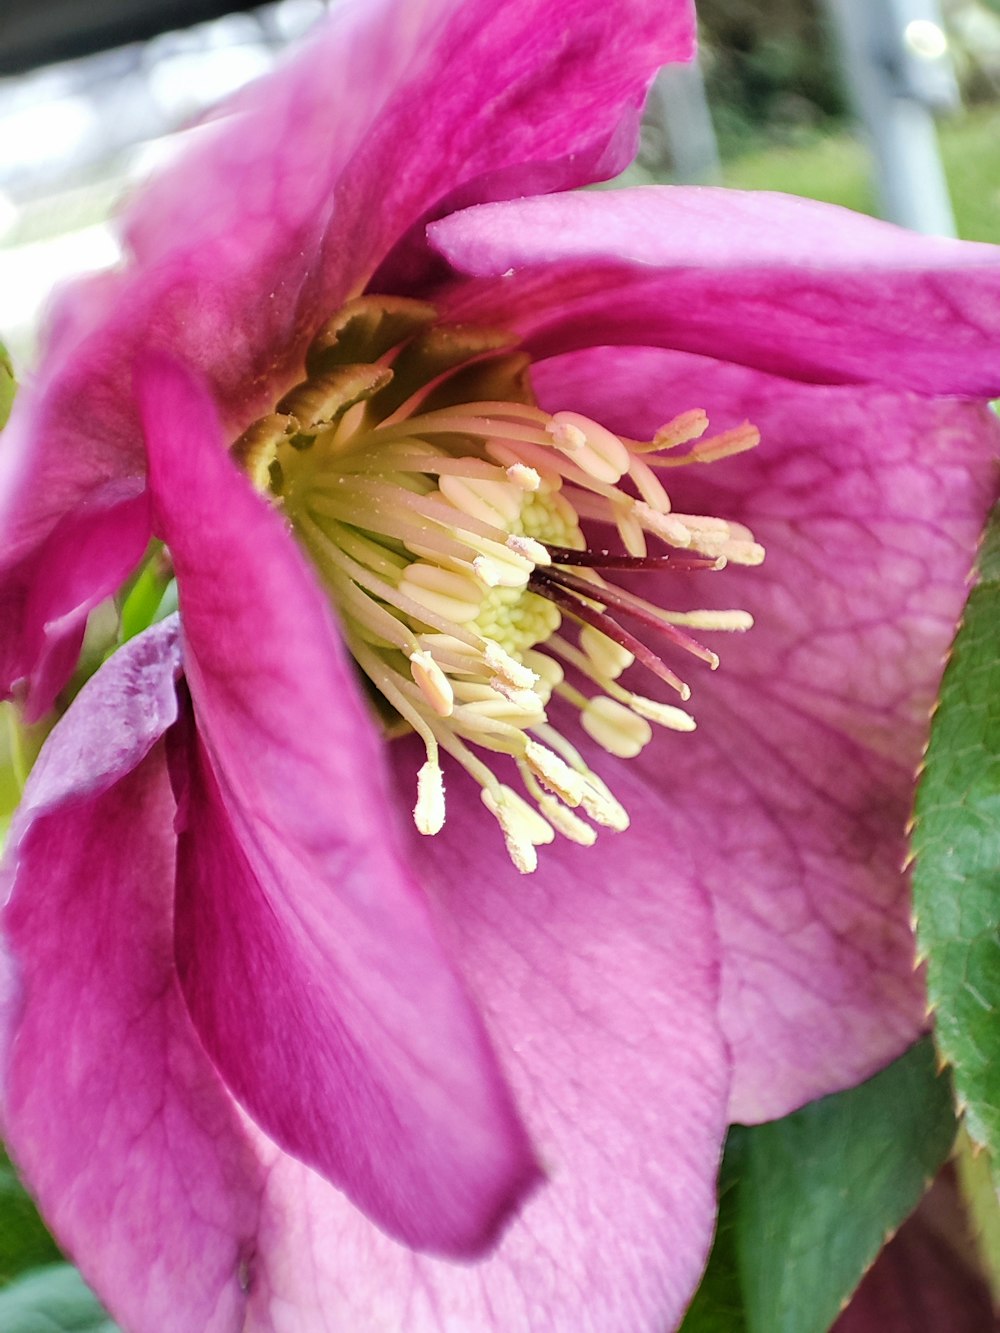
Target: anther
[529,549]
[428,813]
[567,784]
[434,685]
[681,430]
[614,727]
[523,828]
[602,807]
[665,715]
[523,477]
[502,664]
[564,821]
[610,658]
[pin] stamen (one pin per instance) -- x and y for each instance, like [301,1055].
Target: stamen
[681,430]
[523,477]
[523,829]
[615,727]
[610,658]
[725,445]
[433,683]
[428,813]
[555,773]
[442,510]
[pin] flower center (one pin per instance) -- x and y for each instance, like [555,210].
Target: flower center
[442,510]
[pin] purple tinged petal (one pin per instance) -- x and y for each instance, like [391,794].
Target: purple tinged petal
[306,950]
[107,1101]
[790,286]
[598,976]
[119,715]
[796,788]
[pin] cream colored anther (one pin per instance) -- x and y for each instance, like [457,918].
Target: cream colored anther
[523,828]
[494,502]
[664,715]
[528,549]
[434,685]
[507,567]
[486,571]
[743,553]
[601,454]
[667,526]
[720,620]
[448,594]
[603,807]
[609,658]
[567,784]
[523,477]
[523,708]
[564,821]
[502,664]
[428,813]
[550,672]
[614,727]
[526,701]
[682,429]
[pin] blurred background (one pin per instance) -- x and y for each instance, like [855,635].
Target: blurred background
[888,106]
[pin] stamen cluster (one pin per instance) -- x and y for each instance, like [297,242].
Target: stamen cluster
[442,509]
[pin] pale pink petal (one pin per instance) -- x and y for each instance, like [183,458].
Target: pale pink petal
[284,206]
[790,286]
[305,945]
[108,1103]
[796,788]
[598,979]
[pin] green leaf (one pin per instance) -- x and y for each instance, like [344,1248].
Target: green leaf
[956,845]
[8,386]
[808,1201]
[54,1299]
[718,1303]
[24,1241]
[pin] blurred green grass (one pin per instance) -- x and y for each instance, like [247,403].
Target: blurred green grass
[837,169]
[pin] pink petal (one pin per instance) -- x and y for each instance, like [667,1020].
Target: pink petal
[305,948]
[796,788]
[284,206]
[49,596]
[790,286]
[108,1103]
[598,979]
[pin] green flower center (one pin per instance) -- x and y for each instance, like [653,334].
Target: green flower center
[441,508]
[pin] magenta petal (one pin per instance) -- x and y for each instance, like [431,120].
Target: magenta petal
[107,1101]
[85,559]
[284,206]
[790,286]
[305,947]
[598,978]
[797,785]
[325,146]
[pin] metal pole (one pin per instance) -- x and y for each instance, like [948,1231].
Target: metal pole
[895,56]
[678,138]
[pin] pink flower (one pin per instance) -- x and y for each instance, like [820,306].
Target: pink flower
[273,1060]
